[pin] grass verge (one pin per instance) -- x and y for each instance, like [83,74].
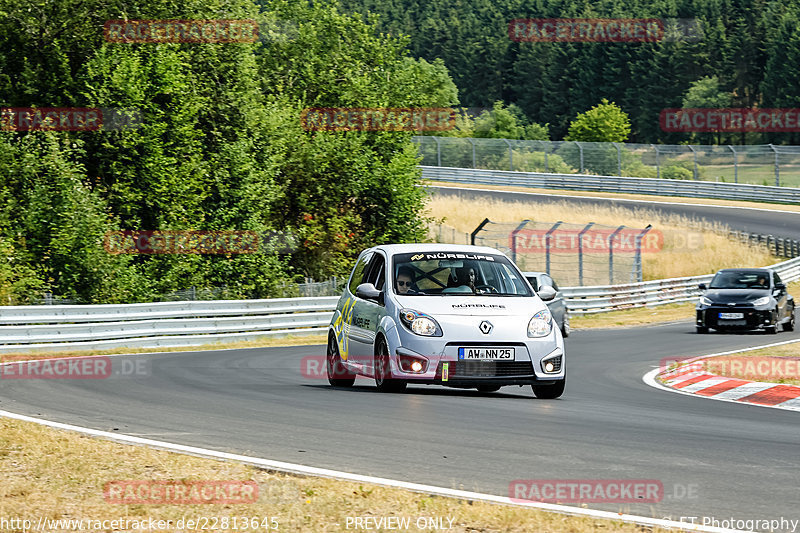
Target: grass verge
[56,475]
[690,246]
[623,196]
[639,316]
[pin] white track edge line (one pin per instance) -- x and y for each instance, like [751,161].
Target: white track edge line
[293,468]
[583,197]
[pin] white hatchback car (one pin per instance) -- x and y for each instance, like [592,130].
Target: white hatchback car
[455,315]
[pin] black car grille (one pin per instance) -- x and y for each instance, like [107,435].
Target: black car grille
[751,319]
[484,369]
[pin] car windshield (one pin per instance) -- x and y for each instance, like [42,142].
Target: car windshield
[456,273]
[740,280]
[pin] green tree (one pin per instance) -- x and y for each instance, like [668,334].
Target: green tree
[605,122]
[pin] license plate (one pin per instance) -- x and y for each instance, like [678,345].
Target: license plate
[731,316]
[487,353]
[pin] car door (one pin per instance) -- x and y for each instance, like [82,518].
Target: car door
[346,335]
[781,296]
[367,314]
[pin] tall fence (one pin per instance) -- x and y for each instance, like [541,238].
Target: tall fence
[751,164]
[577,254]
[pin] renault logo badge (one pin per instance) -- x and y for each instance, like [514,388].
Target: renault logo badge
[485,327]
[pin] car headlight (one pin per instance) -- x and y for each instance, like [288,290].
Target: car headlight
[541,324]
[420,323]
[705,301]
[764,300]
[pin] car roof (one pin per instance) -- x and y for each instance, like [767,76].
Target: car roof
[392,249]
[761,270]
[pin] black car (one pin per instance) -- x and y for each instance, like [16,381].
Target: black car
[745,298]
[556,304]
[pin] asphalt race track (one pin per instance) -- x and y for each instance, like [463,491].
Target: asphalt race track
[783,224]
[733,460]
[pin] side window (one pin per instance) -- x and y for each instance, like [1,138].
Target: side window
[376,272]
[550,281]
[533,282]
[776,279]
[358,271]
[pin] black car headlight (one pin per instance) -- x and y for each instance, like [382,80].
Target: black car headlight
[705,301]
[764,300]
[420,323]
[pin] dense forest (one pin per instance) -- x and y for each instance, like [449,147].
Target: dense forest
[220,147]
[746,54]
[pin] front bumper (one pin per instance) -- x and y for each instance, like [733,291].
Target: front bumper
[752,318]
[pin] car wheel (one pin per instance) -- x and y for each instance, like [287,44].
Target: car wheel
[488,388]
[789,324]
[565,326]
[702,329]
[338,375]
[383,374]
[549,392]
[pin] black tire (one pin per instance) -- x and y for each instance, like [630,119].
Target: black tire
[702,329]
[549,392]
[565,326]
[488,388]
[789,324]
[338,375]
[383,380]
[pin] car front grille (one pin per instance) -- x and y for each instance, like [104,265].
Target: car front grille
[484,369]
[751,319]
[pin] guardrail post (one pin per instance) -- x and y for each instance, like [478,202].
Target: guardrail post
[694,153]
[637,260]
[510,155]
[658,162]
[473,151]
[777,167]
[438,151]
[547,245]
[580,252]
[735,164]
[611,255]
[477,230]
[514,240]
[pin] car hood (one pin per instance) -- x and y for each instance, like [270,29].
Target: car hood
[473,305]
[735,295]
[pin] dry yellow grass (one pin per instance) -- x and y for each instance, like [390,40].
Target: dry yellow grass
[642,197]
[53,474]
[691,247]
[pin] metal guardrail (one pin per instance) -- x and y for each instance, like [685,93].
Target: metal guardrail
[193,323]
[603,298]
[190,323]
[586,182]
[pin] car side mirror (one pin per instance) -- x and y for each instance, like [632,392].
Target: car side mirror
[547,293]
[702,287]
[367,291]
[780,286]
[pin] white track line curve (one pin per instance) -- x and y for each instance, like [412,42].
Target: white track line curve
[293,468]
[650,377]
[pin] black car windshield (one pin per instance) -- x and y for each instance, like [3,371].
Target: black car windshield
[740,280]
[456,273]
